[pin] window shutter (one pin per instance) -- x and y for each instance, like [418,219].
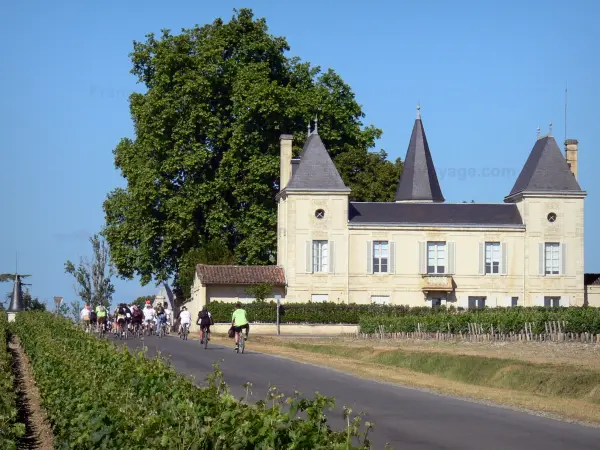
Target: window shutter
[451,258]
[331,250]
[482,258]
[463,301]
[563,259]
[508,301]
[539,300]
[369,256]
[491,302]
[392,264]
[423,257]
[541,259]
[565,301]
[504,258]
[309,257]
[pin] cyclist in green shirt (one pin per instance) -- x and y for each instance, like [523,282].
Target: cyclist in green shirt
[101,315]
[239,322]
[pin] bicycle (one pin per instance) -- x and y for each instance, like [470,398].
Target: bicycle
[137,330]
[205,337]
[185,330]
[123,331]
[100,328]
[241,342]
[161,328]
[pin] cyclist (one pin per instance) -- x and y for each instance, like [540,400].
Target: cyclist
[239,322]
[149,315]
[205,321]
[85,316]
[161,317]
[101,315]
[185,319]
[168,317]
[123,313]
[137,317]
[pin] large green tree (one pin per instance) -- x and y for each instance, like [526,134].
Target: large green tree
[204,163]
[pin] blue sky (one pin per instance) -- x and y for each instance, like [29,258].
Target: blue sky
[487,74]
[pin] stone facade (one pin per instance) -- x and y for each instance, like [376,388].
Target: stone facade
[525,251]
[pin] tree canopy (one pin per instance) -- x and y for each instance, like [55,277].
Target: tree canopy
[204,163]
[93,278]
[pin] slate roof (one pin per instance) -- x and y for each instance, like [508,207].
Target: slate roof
[546,170]
[221,274]
[419,180]
[315,171]
[449,214]
[591,279]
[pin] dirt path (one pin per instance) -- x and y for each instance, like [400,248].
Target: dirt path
[38,434]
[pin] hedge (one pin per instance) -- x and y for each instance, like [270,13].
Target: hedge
[334,313]
[98,396]
[10,429]
[503,320]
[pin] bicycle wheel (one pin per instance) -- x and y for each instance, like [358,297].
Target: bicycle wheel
[205,339]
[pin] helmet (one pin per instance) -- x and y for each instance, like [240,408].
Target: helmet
[148,302]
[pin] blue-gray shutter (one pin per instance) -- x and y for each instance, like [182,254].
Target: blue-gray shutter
[392,263]
[504,258]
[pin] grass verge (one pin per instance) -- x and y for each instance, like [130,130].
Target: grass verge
[567,391]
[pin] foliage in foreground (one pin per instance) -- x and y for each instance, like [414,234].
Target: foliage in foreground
[99,397]
[10,430]
[503,320]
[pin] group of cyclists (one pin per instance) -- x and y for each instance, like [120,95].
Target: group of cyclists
[130,318]
[149,319]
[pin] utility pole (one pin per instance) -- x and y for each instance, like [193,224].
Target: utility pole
[278,298]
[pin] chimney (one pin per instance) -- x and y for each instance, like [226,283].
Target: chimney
[571,155]
[285,159]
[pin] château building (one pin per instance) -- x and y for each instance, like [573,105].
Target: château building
[419,250]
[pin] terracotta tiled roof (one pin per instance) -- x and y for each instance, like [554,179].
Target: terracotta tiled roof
[240,274]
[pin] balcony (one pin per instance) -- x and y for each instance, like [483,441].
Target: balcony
[437,283]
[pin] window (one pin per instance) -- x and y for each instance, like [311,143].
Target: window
[552,258]
[381,256]
[476,302]
[436,302]
[380,299]
[492,257]
[319,298]
[514,301]
[436,257]
[551,302]
[320,256]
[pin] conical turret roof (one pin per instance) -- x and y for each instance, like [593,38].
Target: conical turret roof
[419,181]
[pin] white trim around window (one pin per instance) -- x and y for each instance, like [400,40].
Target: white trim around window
[436,257]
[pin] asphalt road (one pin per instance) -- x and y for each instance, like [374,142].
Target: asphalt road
[406,418]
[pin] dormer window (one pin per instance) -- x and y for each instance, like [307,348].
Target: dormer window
[551,217]
[319,213]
